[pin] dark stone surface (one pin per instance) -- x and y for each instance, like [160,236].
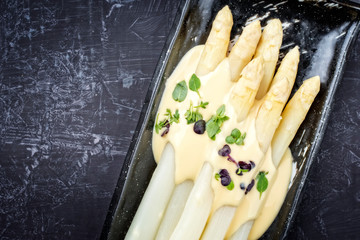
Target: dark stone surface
[73,77]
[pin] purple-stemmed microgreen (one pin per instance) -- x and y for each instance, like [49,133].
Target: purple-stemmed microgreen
[166,123]
[225,152]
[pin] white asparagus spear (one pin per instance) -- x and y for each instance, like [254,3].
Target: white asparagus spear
[288,67]
[268,48]
[155,199]
[197,208]
[268,115]
[292,117]
[214,52]
[219,223]
[244,49]
[217,43]
[174,210]
[244,92]
[243,231]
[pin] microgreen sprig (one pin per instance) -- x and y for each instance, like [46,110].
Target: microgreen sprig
[202,105]
[193,116]
[236,137]
[213,126]
[166,123]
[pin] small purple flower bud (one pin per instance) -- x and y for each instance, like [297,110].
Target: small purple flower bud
[225,180]
[225,151]
[224,172]
[250,186]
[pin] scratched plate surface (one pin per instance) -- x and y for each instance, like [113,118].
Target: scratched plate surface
[324,33]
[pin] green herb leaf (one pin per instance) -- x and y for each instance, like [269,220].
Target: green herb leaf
[192,116]
[230,139]
[240,140]
[221,110]
[202,105]
[262,182]
[180,91]
[194,84]
[230,186]
[236,133]
[170,118]
[157,126]
[235,137]
[213,126]
[176,117]
[217,176]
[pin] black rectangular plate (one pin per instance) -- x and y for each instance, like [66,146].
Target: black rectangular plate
[324,31]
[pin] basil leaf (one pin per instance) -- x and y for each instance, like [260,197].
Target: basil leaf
[180,91]
[194,84]
[262,183]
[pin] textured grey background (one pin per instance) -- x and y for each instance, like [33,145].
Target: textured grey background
[73,77]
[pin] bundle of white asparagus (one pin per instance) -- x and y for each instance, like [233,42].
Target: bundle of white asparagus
[196,191]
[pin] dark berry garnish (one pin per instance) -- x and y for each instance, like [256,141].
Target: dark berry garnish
[225,180]
[250,186]
[224,173]
[242,186]
[239,172]
[245,166]
[225,151]
[199,127]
